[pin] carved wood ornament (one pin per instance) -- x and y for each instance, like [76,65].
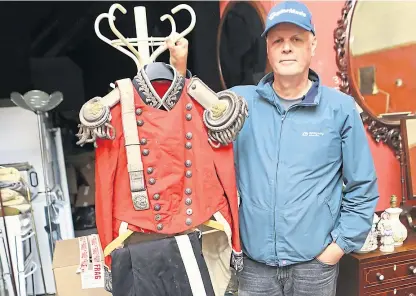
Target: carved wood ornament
[382,130]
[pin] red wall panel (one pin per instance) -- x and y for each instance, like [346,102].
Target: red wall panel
[390,65]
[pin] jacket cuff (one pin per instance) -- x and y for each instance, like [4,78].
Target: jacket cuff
[343,243]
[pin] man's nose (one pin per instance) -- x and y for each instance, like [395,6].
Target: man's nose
[286,48]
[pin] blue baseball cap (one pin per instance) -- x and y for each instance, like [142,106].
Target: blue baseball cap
[290,12]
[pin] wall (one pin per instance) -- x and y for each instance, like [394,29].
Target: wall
[325,15]
[391,25]
[390,65]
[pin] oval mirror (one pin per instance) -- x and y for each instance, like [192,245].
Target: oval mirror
[382,58]
[241,51]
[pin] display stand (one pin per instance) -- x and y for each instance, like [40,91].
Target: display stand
[141,56]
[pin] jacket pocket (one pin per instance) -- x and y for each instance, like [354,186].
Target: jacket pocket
[256,231]
[330,211]
[333,207]
[307,225]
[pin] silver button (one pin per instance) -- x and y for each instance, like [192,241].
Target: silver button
[189,212]
[188,201]
[149,170]
[143,141]
[188,135]
[188,221]
[140,122]
[188,117]
[188,163]
[188,145]
[156,196]
[139,111]
[188,106]
[157,207]
[193,86]
[152,181]
[159,226]
[188,191]
[188,174]
[145,152]
[158,217]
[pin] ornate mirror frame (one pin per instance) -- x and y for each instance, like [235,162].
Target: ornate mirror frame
[381,129]
[259,8]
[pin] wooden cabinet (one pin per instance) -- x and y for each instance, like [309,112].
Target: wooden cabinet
[380,274]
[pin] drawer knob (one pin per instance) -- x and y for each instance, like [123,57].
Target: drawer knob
[380,276]
[412,269]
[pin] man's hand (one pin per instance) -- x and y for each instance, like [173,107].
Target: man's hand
[331,255]
[178,52]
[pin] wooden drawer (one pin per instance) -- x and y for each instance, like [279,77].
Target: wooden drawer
[399,291]
[359,274]
[391,272]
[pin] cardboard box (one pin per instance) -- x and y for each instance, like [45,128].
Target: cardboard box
[74,272]
[71,176]
[72,199]
[88,173]
[81,159]
[85,196]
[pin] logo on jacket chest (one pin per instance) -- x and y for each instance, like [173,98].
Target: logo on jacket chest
[312,134]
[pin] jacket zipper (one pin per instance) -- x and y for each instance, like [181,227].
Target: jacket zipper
[277,169]
[276,177]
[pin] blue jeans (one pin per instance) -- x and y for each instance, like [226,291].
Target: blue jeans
[312,278]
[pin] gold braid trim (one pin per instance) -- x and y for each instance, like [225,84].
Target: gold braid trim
[95,123]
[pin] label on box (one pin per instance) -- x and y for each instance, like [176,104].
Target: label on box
[93,277]
[91,267]
[84,254]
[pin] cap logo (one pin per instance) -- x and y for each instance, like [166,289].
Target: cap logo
[281,11]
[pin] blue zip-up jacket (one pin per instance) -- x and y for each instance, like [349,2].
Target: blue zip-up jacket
[291,166]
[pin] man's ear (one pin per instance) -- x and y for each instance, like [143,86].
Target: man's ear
[314,44]
[267,44]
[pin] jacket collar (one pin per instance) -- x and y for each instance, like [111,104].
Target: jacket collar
[312,98]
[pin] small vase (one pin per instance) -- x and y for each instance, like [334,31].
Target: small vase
[399,230]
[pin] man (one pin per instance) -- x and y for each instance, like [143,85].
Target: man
[301,143]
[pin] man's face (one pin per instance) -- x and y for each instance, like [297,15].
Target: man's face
[290,49]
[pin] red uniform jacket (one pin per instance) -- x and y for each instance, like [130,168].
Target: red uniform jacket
[187,180]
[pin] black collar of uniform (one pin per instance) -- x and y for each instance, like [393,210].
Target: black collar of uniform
[149,95]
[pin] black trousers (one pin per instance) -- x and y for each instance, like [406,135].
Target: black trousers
[172,266]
